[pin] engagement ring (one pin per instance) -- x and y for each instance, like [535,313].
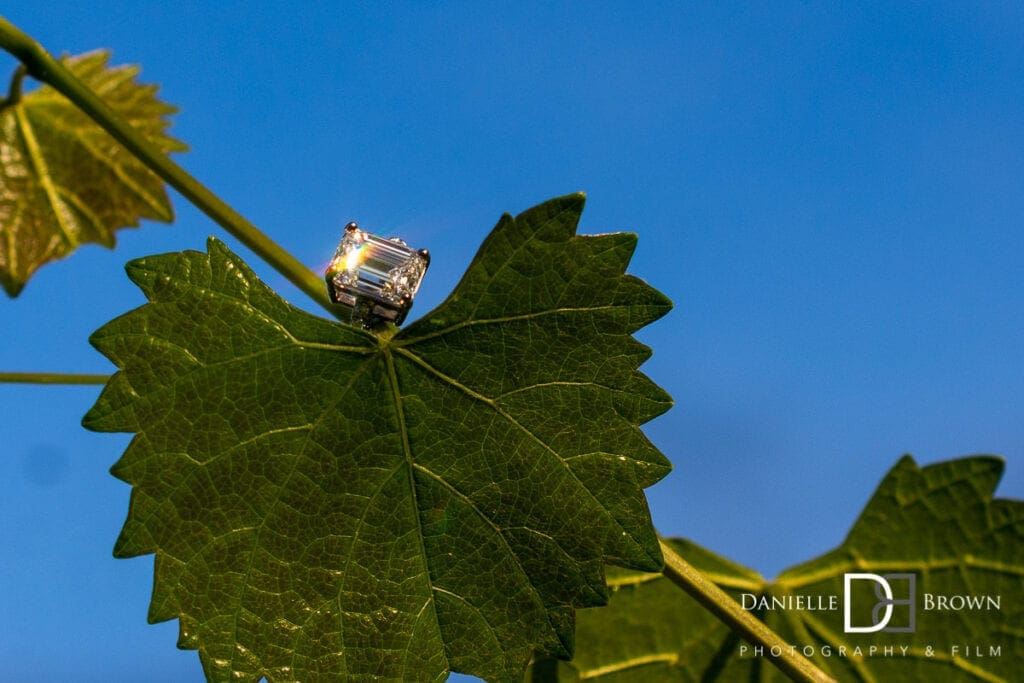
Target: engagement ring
[377,278]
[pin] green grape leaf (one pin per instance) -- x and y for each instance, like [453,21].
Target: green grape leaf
[64,181]
[328,504]
[651,630]
[939,524]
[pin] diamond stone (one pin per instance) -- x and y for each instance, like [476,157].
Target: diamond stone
[376,277]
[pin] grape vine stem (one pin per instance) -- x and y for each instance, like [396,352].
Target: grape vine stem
[718,602]
[51,378]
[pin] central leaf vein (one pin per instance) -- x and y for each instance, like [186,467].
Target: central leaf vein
[396,393]
[43,173]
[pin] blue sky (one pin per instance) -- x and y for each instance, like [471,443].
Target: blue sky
[831,197]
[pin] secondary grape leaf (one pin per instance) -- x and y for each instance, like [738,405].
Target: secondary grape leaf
[329,504]
[64,181]
[939,523]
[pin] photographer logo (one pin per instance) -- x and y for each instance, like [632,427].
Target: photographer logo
[886,602]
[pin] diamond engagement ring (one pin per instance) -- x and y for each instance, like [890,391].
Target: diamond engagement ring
[375,277]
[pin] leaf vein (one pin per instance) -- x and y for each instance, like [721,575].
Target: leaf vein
[670,658]
[440,375]
[118,169]
[402,341]
[277,499]
[35,155]
[247,306]
[396,394]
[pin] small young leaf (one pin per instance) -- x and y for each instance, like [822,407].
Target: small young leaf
[64,181]
[329,504]
[938,523]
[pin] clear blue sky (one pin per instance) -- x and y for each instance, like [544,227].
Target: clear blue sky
[832,197]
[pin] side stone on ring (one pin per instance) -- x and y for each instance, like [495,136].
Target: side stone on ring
[377,278]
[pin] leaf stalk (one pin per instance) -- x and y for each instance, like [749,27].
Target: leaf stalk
[51,378]
[42,66]
[14,90]
[718,602]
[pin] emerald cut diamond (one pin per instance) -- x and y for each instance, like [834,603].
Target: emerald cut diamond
[377,278]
